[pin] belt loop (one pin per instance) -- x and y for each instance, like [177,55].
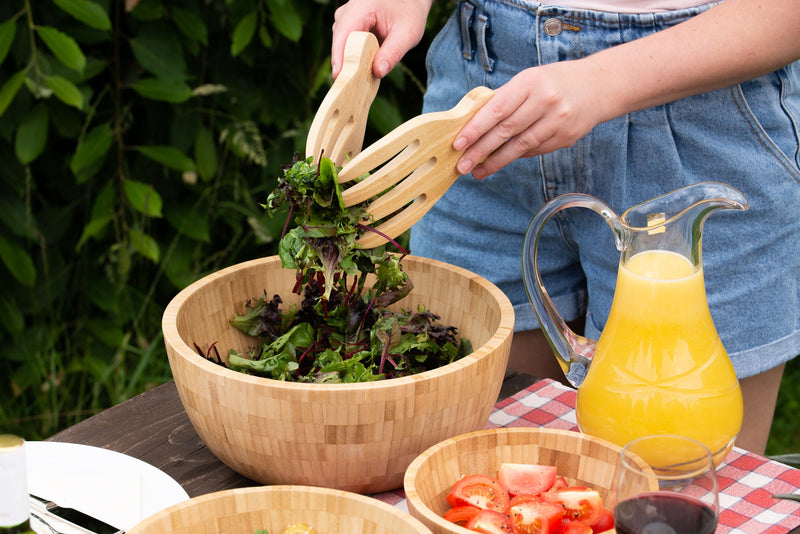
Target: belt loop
[467,10]
[483,53]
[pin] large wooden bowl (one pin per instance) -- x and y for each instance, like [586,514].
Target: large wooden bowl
[273,508]
[582,459]
[355,437]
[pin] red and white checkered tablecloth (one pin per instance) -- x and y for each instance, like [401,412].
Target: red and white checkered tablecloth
[746,481]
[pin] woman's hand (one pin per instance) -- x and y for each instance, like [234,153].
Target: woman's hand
[398,24]
[539,110]
[550,107]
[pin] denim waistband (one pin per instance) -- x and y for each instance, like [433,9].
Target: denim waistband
[600,16]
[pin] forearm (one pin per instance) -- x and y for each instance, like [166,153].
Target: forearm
[732,42]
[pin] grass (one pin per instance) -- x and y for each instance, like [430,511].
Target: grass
[784,437]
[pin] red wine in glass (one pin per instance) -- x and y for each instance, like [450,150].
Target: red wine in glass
[664,513]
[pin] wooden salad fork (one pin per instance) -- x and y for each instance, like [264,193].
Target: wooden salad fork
[413,165]
[338,127]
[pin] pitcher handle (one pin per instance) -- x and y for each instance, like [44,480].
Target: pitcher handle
[573,352]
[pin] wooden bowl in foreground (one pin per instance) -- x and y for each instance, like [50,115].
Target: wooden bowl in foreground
[582,459]
[273,508]
[355,437]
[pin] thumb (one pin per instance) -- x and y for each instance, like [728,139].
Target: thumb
[392,50]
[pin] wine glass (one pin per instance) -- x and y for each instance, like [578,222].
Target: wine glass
[665,484]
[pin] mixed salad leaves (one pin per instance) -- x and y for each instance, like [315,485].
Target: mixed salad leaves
[342,331]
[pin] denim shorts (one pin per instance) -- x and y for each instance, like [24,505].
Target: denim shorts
[745,136]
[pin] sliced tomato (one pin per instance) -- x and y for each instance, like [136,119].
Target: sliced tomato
[606,521]
[559,483]
[519,479]
[530,515]
[482,491]
[582,505]
[573,527]
[490,522]
[461,515]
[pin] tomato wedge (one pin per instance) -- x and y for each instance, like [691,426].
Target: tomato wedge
[482,491]
[461,515]
[490,522]
[582,505]
[521,479]
[530,515]
[573,527]
[606,521]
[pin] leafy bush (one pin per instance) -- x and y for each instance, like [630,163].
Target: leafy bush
[138,140]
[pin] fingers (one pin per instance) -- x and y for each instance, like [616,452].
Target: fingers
[530,115]
[495,130]
[392,50]
[343,25]
[399,26]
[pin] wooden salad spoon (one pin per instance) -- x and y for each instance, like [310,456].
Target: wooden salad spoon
[413,165]
[339,124]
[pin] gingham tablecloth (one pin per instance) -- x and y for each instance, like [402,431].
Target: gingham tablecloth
[746,481]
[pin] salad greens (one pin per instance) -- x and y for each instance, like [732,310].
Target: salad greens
[341,331]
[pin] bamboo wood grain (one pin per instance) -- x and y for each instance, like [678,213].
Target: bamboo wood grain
[415,162]
[582,459]
[243,511]
[357,437]
[340,122]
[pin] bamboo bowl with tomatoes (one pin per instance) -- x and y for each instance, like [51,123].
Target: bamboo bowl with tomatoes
[274,508]
[358,437]
[436,480]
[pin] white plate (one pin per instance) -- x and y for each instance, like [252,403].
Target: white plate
[113,487]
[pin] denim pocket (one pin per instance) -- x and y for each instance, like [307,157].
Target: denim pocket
[771,107]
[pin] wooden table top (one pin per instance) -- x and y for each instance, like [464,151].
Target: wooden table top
[155,428]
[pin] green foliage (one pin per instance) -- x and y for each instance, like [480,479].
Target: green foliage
[138,141]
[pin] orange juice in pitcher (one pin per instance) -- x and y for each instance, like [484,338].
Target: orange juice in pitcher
[659,366]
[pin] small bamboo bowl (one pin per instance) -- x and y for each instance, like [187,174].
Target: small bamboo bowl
[245,510]
[355,437]
[581,459]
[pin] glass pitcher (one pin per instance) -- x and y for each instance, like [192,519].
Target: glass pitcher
[659,366]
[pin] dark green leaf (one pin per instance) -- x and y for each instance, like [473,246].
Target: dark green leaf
[168,156]
[93,229]
[190,24]
[143,198]
[384,116]
[31,135]
[10,89]
[106,331]
[8,30]
[174,91]
[189,222]
[205,152]
[286,19]
[145,245]
[265,37]
[92,148]
[243,32]
[86,11]
[63,47]
[148,10]
[160,53]
[10,315]
[18,262]
[16,216]
[65,90]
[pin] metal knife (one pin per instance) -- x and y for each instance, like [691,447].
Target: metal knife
[73,517]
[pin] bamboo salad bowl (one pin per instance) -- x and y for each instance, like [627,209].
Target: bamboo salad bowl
[582,459]
[355,437]
[273,508]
